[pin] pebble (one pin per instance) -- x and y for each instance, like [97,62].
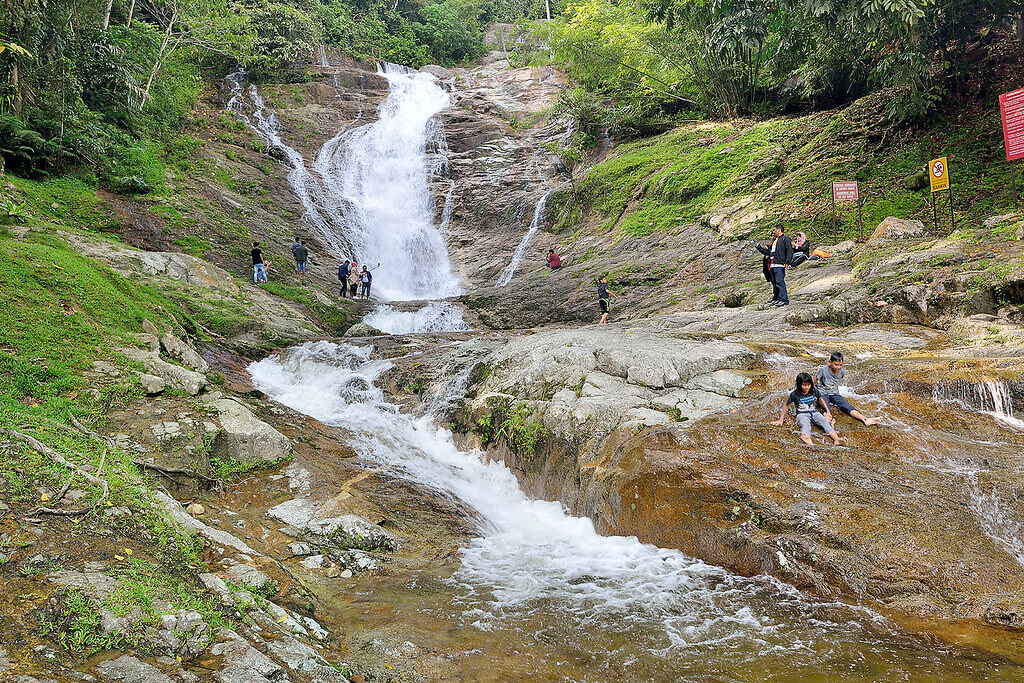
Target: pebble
[118,511]
[195,509]
[347,574]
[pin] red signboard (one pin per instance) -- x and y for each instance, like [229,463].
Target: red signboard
[1011,106]
[844,191]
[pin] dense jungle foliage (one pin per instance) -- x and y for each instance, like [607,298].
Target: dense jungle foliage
[102,90]
[672,59]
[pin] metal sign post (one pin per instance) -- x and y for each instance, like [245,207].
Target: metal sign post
[938,174]
[846,191]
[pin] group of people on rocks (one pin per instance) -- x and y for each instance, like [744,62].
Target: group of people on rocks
[348,273]
[813,399]
[351,278]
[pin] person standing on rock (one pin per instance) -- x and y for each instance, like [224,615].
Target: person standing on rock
[829,377]
[353,279]
[808,404]
[259,265]
[777,259]
[602,298]
[343,278]
[295,245]
[301,256]
[366,277]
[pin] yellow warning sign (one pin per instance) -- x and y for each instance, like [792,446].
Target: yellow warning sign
[938,173]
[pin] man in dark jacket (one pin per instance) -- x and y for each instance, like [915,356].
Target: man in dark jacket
[343,271]
[777,255]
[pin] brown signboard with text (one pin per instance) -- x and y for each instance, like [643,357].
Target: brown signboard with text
[844,191]
[1011,107]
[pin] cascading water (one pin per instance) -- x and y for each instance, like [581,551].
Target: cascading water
[517,257]
[991,397]
[370,195]
[622,608]
[437,316]
[323,211]
[382,171]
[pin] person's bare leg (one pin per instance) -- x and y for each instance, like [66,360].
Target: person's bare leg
[838,440]
[869,421]
[806,438]
[604,319]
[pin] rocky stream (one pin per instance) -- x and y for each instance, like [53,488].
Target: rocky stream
[477,484]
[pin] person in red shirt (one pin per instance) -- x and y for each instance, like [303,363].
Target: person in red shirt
[554,263]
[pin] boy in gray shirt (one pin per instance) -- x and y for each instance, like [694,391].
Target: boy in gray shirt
[828,379]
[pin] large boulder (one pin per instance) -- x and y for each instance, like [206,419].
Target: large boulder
[436,71]
[897,229]
[183,352]
[363,330]
[178,377]
[244,437]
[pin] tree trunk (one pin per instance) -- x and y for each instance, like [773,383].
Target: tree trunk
[159,57]
[131,13]
[106,15]
[1019,27]
[547,7]
[16,83]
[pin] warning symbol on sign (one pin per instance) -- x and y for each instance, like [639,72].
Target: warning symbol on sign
[939,174]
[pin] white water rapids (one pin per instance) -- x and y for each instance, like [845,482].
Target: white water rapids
[533,561]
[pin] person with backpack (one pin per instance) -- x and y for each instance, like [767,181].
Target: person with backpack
[366,277]
[343,278]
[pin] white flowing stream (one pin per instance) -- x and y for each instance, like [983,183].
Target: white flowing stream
[517,257]
[533,561]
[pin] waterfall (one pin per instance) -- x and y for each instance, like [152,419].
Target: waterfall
[991,397]
[517,257]
[436,316]
[382,170]
[369,197]
[323,212]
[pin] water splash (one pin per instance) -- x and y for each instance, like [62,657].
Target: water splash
[517,257]
[437,316]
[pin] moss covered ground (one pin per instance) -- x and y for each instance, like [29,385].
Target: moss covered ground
[787,165]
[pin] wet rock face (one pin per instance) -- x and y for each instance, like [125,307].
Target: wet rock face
[497,171]
[891,520]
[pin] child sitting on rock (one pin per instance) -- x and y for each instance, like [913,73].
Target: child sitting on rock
[807,401]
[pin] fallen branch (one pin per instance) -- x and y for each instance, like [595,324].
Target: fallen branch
[56,512]
[85,430]
[172,471]
[43,449]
